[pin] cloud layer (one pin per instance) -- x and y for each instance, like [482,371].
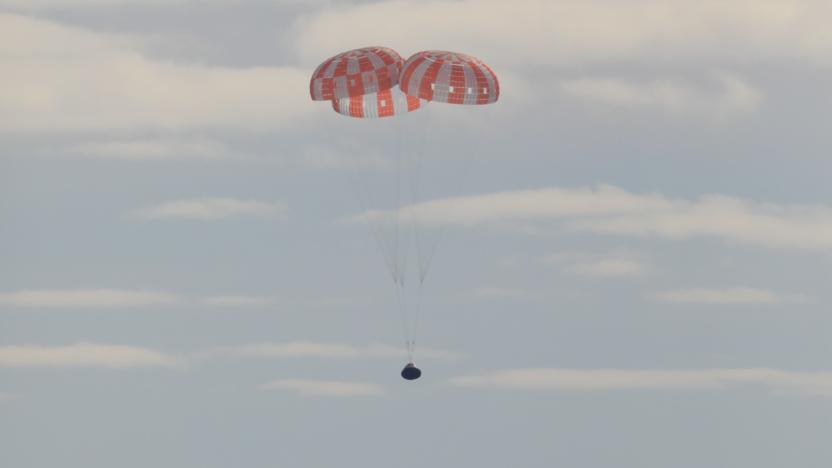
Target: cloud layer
[58,78]
[727,296]
[210,209]
[308,349]
[729,96]
[543,379]
[611,210]
[86,298]
[84,355]
[581,31]
[594,265]
[327,388]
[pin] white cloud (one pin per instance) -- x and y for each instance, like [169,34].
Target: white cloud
[592,265]
[580,31]
[210,209]
[548,379]
[613,211]
[743,295]
[86,298]
[306,349]
[730,97]
[331,388]
[58,78]
[83,355]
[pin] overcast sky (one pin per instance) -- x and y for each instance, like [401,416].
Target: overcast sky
[635,241]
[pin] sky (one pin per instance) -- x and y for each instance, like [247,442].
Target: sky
[634,244]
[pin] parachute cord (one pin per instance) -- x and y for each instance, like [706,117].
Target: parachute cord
[398,207]
[418,311]
[403,313]
[377,219]
[402,243]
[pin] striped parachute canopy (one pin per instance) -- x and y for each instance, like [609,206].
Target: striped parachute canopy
[355,73]
[387,103]
[450,77]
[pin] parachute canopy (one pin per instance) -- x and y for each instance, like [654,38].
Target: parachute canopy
[355,73]
[387,103]
[450,77]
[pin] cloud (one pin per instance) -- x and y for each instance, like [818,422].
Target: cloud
[548,379]
[86,298]
[498,293]
[307,349]
[610,265]
[220,301]
[58,78]
[84,355]
[726,296]
[94,298]
[730,97]
[155,149]
[38,5]
[572,32]
[210,209]
[329,388]
[613,211]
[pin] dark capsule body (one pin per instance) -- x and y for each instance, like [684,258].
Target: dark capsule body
[411,372]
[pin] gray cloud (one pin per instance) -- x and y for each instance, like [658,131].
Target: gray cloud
[547,379]
[613,211]
[731,96]
[326,388]
[560,33]
[736,296]
[617,264]
[69,79]
[87,298]
[210,209]
[307,349]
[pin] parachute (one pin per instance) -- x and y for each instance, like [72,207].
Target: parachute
[386,103]
[373,84]
[449,77]
[355,73]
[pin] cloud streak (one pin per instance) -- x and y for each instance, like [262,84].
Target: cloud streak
[87,298]
[309,349]
[727,296]
[591,265]
[325,388]
[730,96]
[84,355]
[210,209]
[611,210]
[577,380]
[155,150]
[115,298]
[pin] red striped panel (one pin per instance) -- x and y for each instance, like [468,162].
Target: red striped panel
[466,83]
[386,103]
[370,77]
